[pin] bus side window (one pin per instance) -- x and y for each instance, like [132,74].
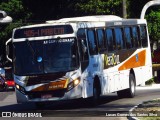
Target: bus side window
[135,37]
[127,35]
[92,42]
[143,36]
[119,38]
[111,45]
[101,39]
[82,45]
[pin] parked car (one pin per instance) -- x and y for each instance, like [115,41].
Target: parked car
[9,81]
[156,56]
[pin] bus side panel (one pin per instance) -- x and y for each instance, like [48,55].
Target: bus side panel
[138,75]
[124,79]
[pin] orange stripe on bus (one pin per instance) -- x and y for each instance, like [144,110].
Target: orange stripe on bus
[52,86]
[135,61]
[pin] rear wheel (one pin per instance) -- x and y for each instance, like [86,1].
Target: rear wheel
[132,86]
[130,92]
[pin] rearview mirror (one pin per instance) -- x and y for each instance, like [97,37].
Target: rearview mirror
[4,18]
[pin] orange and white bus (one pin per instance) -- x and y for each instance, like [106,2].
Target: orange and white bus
[81,57]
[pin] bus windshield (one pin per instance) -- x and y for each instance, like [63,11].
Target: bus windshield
[45,56]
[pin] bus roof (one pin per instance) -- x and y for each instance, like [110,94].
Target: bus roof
[100,18]
[91,21]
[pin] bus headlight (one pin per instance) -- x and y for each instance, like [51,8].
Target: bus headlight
[73,84]
[17,86]
[21,89]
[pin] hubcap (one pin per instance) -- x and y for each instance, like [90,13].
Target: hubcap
[132,87]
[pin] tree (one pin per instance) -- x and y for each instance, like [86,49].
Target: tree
[153,19]
[100,7]
[19,13]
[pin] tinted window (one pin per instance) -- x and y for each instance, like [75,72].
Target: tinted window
[82,44]
[119,39]
[127,35]
[83,49]
[135,37]
[81,34]
[143,34]
[100,36]
[109,37]
[92,42]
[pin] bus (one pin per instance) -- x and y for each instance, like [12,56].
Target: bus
[80,57]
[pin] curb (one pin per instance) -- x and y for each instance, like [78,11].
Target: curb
[130,111]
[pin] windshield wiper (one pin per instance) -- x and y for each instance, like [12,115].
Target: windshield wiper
[31,49]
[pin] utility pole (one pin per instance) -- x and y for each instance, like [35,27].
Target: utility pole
[124,9]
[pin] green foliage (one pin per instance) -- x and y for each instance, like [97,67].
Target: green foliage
[19,14]
[23,11]
[153,19]
[100,7]
[150,81]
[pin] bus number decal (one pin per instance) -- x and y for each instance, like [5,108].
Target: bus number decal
[111,60]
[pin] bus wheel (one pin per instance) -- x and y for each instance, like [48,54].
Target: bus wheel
[96,95]
[132,86]
[130,92]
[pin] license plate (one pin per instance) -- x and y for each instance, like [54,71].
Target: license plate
[46,96]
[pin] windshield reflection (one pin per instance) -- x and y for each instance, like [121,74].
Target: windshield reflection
[50,56]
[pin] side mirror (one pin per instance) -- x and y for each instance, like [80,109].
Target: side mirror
[7,49]
[4,18]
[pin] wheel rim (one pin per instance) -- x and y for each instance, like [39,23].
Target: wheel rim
[132,87]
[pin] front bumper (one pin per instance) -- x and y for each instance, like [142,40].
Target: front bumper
[36,97]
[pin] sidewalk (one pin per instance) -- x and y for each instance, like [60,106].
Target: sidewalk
[153,86]
[150,106]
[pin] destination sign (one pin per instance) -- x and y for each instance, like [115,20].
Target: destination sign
[43,31]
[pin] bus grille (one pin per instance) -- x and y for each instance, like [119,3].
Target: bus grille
[55,93]
[38,79]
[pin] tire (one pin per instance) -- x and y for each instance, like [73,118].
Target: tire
[94,100]
[132,86]
[130,92]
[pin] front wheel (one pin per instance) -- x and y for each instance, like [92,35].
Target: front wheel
[94,100]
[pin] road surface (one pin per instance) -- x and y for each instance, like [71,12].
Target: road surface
[68,110]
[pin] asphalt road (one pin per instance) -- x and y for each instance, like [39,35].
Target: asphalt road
[68,110]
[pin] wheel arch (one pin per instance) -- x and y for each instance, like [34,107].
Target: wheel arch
[97,83]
